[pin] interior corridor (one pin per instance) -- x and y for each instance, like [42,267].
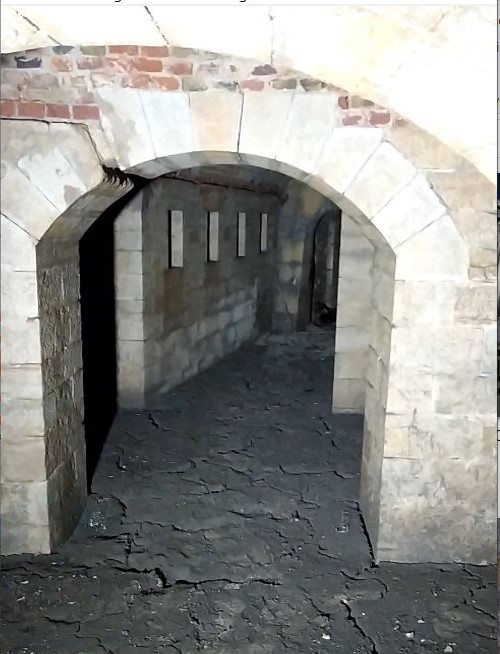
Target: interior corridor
[226,519]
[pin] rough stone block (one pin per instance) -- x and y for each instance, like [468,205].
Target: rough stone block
[423,303]
[382,177]
[476,304]
[125,125]
[23,460]
[215,117]
[345,152]
[420,259]
[348,339]
[351,365]
[262,123]
[303,139]
[414,208]
[24,381]
[25,502]
[348,395]
[169,119]
[474,395]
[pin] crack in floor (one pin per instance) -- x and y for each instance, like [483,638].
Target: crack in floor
[225,522]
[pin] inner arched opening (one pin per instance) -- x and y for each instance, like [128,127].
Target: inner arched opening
[174,276]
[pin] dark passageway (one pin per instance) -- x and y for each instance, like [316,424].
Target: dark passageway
[97,292]
[226,520]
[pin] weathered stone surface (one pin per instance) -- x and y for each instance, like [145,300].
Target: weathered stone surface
[407,214]
[303,139]
[420,259]
[125,125]
[215,117]
[382,177]
[345,152]
[476,304]
[262,123]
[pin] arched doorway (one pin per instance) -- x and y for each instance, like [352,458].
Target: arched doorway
[368,179]
[325,270]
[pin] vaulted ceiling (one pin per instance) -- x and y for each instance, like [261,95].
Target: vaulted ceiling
[434,65]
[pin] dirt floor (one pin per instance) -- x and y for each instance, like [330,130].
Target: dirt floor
[226,520]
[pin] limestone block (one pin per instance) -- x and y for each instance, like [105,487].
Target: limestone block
[303,138]
[374,411]
[23,460]
[356,266]
[25,502]
[128,240]
[128,262]
[424,150]
[348,395]
[131,354]
[374,368]
[418,494]
[215,117]
[380,336]
[76,147]
[408,391]
[447,350]
[130,217]
[354,313]
[20,293]
[423,303]
[169,119]
[20,340]
[54,175]
[22,381]
[351,365]
[489,355]
[476,304]
[436,253]
[352,287]
[345,151]
[125,125]
[129,286]
[414,208]
[472,395]
[130,327]
[348,339]
[430,435]
[383,294]
[384,260]
[263,123]
[23,202]
[382,177]
[24,538]
[17,247]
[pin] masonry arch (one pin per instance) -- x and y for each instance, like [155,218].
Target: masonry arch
[412,455]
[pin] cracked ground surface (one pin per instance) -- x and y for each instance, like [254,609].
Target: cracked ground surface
[226,520]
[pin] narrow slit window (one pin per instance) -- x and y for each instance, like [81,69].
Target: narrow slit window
[241,234]
[176,239]
[213,236]
[263,232]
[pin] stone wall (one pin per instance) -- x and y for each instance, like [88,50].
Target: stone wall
[129,298]
[297,220]
[354,330]
[174,321]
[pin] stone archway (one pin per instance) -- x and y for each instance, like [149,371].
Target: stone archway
[429,405]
